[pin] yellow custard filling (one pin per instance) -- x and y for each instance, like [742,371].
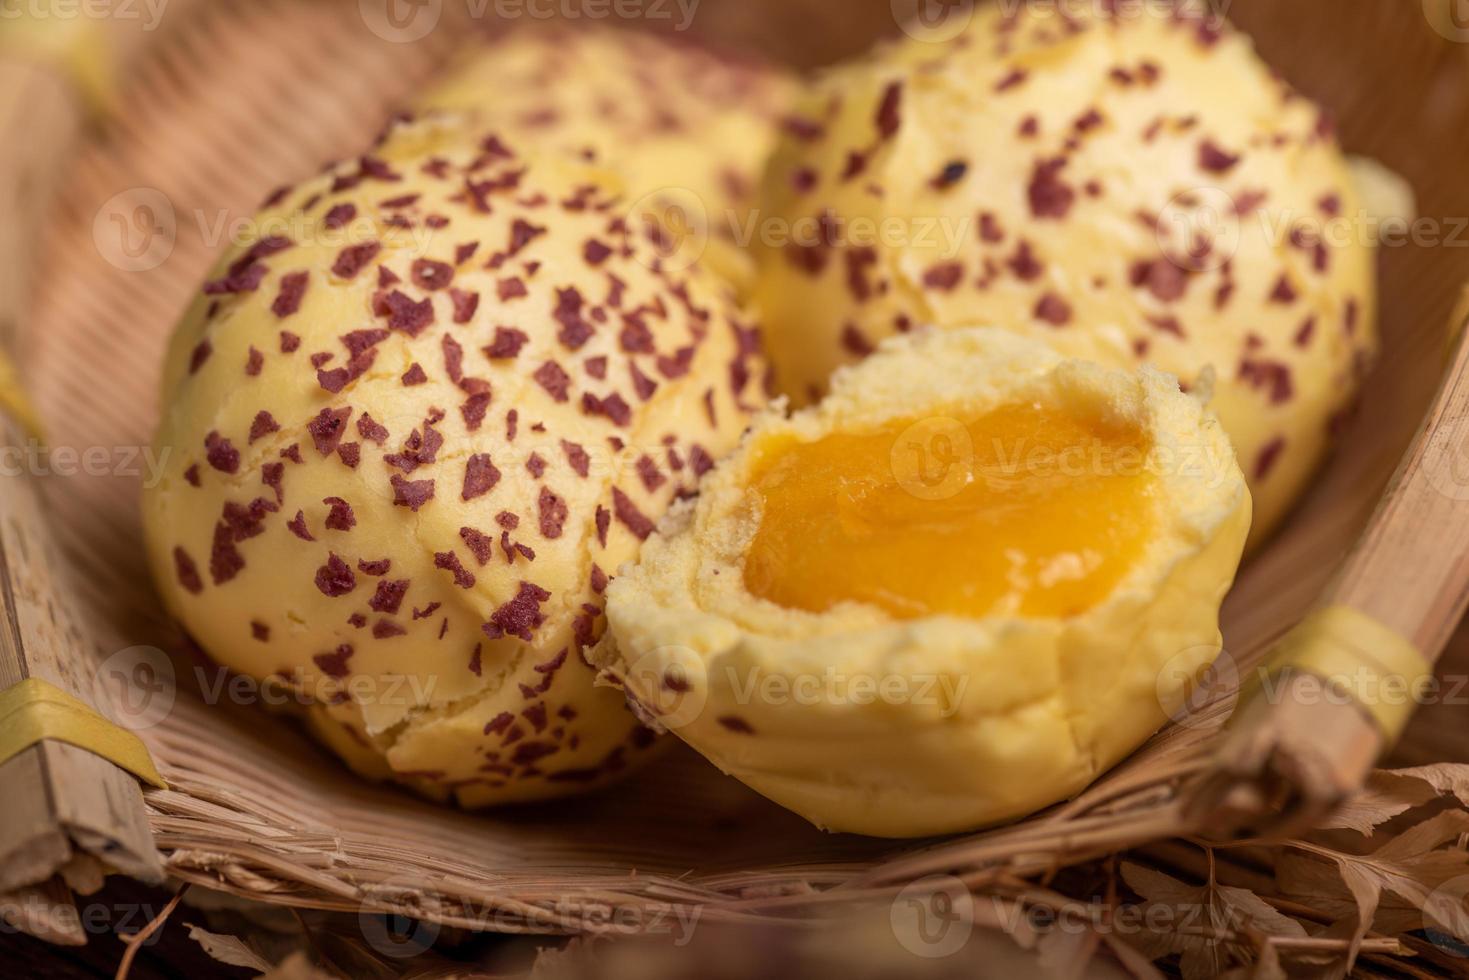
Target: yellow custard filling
[1026,510]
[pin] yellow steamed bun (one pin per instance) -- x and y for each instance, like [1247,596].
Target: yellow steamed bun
[689,129]
[411,427]
[1012,584]
[1132,188]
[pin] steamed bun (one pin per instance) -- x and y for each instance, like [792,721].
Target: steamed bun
[412,427]
[687,127]
[957,590]
[1130,187]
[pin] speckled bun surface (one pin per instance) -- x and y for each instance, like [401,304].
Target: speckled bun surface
[966,721]
[1131,187]
[688,128]
[412,426]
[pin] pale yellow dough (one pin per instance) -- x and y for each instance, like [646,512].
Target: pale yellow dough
[982,719]
[1054,176]
[568,388]
[688,128]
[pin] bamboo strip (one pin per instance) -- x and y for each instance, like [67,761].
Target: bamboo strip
[1294,757]
[56,800]
[64,812]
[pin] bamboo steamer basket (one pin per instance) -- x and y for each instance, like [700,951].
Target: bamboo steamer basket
[109,230]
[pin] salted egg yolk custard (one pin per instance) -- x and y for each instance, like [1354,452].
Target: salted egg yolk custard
[958,589]
[1024,510]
